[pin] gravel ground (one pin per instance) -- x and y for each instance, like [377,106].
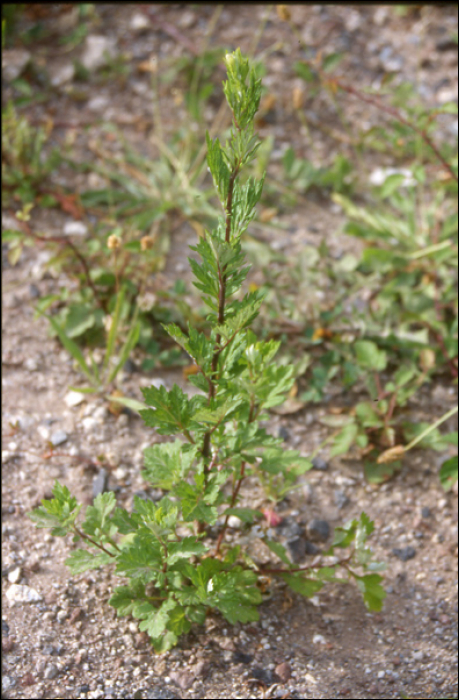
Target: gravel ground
[60,639]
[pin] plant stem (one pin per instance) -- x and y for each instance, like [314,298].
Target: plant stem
[430,428]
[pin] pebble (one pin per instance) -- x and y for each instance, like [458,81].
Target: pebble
[61,74]
[13,63]
[283,671]
[18,593]
[31,364]
[158,693]
[75,228]
[183,678]
[296,549]
[340,498]
[73,398]
[15,575]
[283,433]
[96,51]
[320,464]
[50,672]
[8,682]
[405,553]
[139,22]
[318,530]
[58,438]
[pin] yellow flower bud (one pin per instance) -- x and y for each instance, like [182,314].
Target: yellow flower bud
[113,242]
[283,12]
[147,242]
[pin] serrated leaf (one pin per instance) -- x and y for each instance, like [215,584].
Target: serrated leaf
[173,409]
[59,513]
[305,586]
[372,591]
[168,463]
[279,550]
[81,560]
[344,440]
[141,560]
[369,356]
[155,619]
[96,517]
[247,515]
[185,549]
[126,598]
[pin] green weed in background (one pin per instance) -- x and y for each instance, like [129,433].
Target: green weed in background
[175,572]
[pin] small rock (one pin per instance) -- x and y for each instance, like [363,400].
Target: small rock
[158,693]
[446,94]
[73,398]
[239,657]
[426,512]
[263,675]
[13,63]
[8,645]
[61,74]
[289,528]
[15,575]
[283,433]
[97,49]
[405,553]
[227,644]
[58,438]
[320,464]
[130,367]
[98,103]
[100,483]
[34,292]
[296,549]
[341,500]
[50,672]
[311,548]
[183,678]
[139,22]
[8,682]
[318,530]
[31,364]
[18,593]
[283,671]
[200,669]
[90,424]
[43,431]
[75,228]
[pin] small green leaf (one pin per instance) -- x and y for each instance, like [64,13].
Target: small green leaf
[305,586]
[279,550]
[373,592]
[449,473]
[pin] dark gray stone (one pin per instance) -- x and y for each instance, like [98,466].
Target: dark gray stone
[100,483]
[320,464]
[405,553]
[296,548]
[318,530]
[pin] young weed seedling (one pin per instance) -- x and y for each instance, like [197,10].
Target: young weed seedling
[175,552]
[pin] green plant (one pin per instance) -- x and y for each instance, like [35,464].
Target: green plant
[175,552]
[373,425]
[25,166]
